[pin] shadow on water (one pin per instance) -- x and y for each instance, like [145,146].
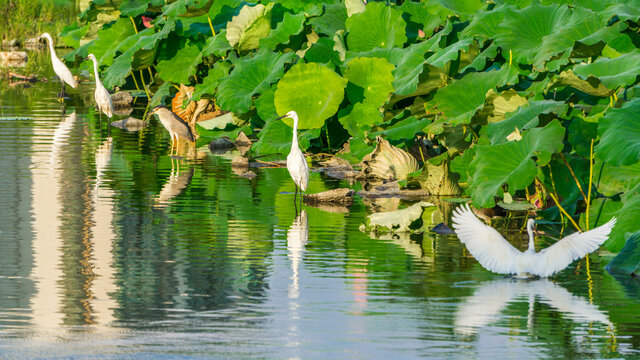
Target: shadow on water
[113,247]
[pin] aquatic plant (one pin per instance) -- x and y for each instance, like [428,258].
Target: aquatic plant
[529,99]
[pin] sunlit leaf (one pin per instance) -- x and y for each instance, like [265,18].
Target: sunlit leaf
[374,76]
[246,29]
[251,75]
[217,45]
[290,25]
[378,26]
[276,137]
[511,163]
[405,129]
[313,91]
[331,21]
[71,34]
[109,40]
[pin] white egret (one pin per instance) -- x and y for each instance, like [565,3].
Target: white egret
[495,254]
[103,99]
[59,67]
[296,163]
[176,127]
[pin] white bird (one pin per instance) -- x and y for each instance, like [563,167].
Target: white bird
[103,99]
[296,163]
[59,67]
[495,254]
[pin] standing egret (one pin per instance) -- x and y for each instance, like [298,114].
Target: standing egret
[103,99]
[174,124]
[296,163]
[59,67]
[495,254]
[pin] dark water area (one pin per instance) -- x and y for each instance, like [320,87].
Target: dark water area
[109,248]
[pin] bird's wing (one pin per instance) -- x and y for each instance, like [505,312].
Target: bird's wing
[298,168]
[491,250]
[559,255]
[103,99]
[63,72]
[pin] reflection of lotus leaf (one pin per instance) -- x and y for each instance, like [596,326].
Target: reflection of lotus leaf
[398,221]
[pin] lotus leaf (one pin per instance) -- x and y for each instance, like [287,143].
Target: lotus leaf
[462,7]
[374,76]
[428,14]
[619,132]
[378,26]
[290,25]
[405,129]
[511,163]
[613,73]
[313,91]
[526,117]
[360,118]
[246,29]
[627,262]
[217,45]
[251,75]
[331,21]
[354,6]
[72,34]
[276,137]
[179,68]
[109,40]
[212,80]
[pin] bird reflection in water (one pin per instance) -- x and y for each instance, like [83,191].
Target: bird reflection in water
[491,298]
[102,160]
[297,237]
[174,186]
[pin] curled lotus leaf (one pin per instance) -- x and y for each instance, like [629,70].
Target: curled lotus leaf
[388,162]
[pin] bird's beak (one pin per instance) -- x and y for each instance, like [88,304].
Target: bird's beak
[282,117]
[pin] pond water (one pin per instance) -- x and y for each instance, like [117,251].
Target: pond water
[112,249]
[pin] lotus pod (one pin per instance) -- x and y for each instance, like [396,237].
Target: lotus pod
[388,162]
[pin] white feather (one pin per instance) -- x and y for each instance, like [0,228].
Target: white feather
[59,67]
[495,254]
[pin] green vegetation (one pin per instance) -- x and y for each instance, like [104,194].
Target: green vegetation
[511,95]
[23,19]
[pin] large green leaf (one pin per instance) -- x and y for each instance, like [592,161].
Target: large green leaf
[144,40]
[360,118]
[378,26]
[276,137]
[186,8]
[179,68]
[462,7]
[374,76]
[428,14]
[290,25]
[536,33]
[109,40]
[212,80]
[619,132]
[460,100]
[621,71]
[217,45]
[405,129]
[525,117]
[627,262]
[246,29]
[331,21]
[511,163]
[134,8]
[313,91]
[627,222]
[71,34]
[251,75]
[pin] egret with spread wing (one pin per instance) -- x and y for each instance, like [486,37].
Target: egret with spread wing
[495,254]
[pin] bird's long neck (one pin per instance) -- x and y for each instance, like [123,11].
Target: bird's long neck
[532,246]
[51,49]
[294,141]
[95,71]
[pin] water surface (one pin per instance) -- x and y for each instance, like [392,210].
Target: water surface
[109,248]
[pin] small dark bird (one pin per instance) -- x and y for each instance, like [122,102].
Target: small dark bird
[176,127]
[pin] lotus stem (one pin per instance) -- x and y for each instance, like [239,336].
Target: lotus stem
[510,57]
[213,32]
[590,184]
[134,80]
[145,85]
[574,176]
[554,196]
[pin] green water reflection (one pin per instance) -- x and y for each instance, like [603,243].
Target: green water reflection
[114,249]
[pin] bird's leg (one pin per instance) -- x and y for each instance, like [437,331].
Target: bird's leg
[295,194]
[295,207]
[61,95]
[177,144]
[172,145]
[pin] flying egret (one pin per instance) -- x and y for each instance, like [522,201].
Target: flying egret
[59,67]
[495,254]
[103,99]
[176,127]
[296,163]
